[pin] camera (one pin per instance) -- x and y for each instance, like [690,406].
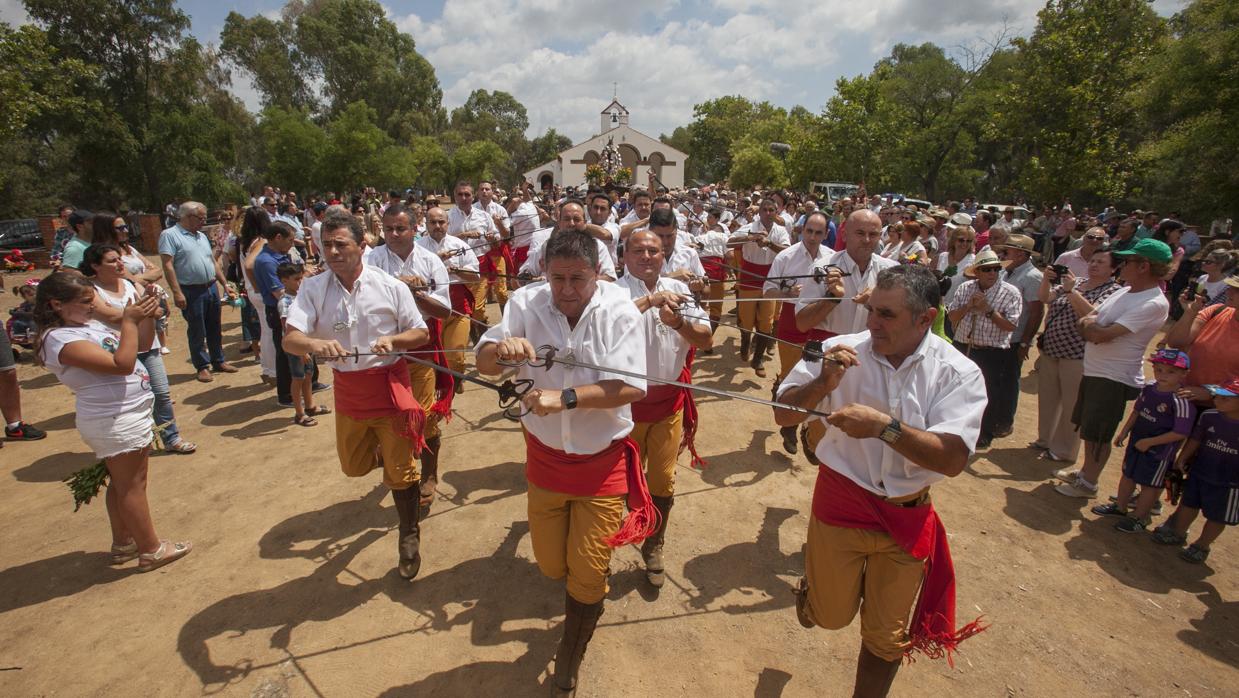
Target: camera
[1060,269]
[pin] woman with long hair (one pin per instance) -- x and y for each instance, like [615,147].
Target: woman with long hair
[113,399]
[107,227]
[956,257]
[248,244]
[105,266]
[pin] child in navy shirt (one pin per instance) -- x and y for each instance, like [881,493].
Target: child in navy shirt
[1211,460]
[1159,421]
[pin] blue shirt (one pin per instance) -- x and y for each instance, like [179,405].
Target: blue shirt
[74,250]
[193,260]
[265,279]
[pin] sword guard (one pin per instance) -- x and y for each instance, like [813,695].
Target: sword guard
[547,353]
[510,397]
[813,351]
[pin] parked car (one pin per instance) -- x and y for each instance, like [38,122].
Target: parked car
[21,233]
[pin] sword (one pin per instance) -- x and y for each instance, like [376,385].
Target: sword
[549,356]
[510,391]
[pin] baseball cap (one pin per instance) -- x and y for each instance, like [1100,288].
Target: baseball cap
[959,220]
[1228,389]
[1171,357]
[319,206]
[1150,249]
[79,216]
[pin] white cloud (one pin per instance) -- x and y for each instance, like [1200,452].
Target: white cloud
[13,12]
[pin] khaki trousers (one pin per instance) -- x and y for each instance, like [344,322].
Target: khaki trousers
[456,336]
[851,568]
[760,313]
[789,356]
[660,449]
[356,440]
[422,380]
[1058,385]
[714,291]
[568,533]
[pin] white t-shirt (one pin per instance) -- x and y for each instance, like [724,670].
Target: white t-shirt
[98,394]
[665,348]
[129,293]
[1122,359]
[134,262]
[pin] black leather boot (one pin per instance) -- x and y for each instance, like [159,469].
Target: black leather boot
[759,356]
[746,342]
[430,472]
[409,545]
[874,675]
[652,547]
[580,619]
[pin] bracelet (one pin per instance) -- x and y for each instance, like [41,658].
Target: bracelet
[680,326]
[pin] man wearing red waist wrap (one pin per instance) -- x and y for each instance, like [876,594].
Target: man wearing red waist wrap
[855,272]
[905,412]
[418,268]
[759,242]
[798,260]
[582,466]
[462,265]
[666,418]
[353,307]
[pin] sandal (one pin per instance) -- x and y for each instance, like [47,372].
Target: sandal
[801,592]
[168,552]
[182,447]
[305,420]
[124,553]
[318,410]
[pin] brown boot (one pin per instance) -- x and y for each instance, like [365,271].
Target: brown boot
[652,548]
[430,472]
[874,675]
[759,356]
[580,619]
[409,545]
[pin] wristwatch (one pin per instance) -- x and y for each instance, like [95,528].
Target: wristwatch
[568,398]
[892,432]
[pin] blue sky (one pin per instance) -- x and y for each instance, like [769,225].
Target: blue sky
[560,57]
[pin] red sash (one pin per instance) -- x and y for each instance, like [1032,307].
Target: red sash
[816,335]
[787,325]
[715,271]
[614,470]
[445,383]
[519,255]
[462,298]
[662,401]
[840,241]
[752,276]
[837,501]
[383,391]
[487,266]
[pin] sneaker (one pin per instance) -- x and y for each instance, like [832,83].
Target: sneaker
[1157,508]
[24,432]
[1166,535]
[1079,488]
[1003,432]
[1131,524]
[284,403]
[320,387]
[165,351]
[1110,509]
[1068,475]
[1194,554]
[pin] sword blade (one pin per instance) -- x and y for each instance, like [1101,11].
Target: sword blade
[551,358]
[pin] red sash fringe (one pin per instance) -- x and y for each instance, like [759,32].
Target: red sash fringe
[519,255]
[837,501]
[614,470]
[445,383]
[487,267]
[752,275]
[383,391]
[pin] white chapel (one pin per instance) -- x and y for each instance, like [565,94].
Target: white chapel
[638,152]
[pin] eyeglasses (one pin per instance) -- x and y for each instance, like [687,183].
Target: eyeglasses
[1094,237]
[987,270]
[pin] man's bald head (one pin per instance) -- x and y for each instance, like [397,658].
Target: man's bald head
[863,232]
[436,223]
[643,255]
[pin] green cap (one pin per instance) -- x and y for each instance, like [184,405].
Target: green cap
[1150,249]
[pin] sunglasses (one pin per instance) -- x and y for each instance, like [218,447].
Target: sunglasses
[987,270]
[120,227]
[1094,237]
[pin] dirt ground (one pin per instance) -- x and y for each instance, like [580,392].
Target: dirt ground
[291,589]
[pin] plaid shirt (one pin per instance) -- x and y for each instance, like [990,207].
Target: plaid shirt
[63,236]
[979,330]
[1062,338]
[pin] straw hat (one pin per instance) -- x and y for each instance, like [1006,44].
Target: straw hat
[987,258]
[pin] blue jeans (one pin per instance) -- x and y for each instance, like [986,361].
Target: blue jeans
[202,319]
[250,330]
[153,362]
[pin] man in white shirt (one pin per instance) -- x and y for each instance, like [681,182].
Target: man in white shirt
[906,412]
[358,307]
[462,266]
[581,464]
[680,261]
[496,262]
[799,260]
[599,209]
[420,269]
[1116,335]
[1018,251]
[1077,260]
[711,247]
[525,219]
[638,217]
[666,418]
[571,217]
[759,243]
[477,227]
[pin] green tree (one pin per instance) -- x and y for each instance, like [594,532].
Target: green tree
[478,160]
[497,117]
[753,164]
[264,48]
[542,149]
[1190,103]
[718,123]
[353,148]
[293,147]
[431,165]
[1071,112]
